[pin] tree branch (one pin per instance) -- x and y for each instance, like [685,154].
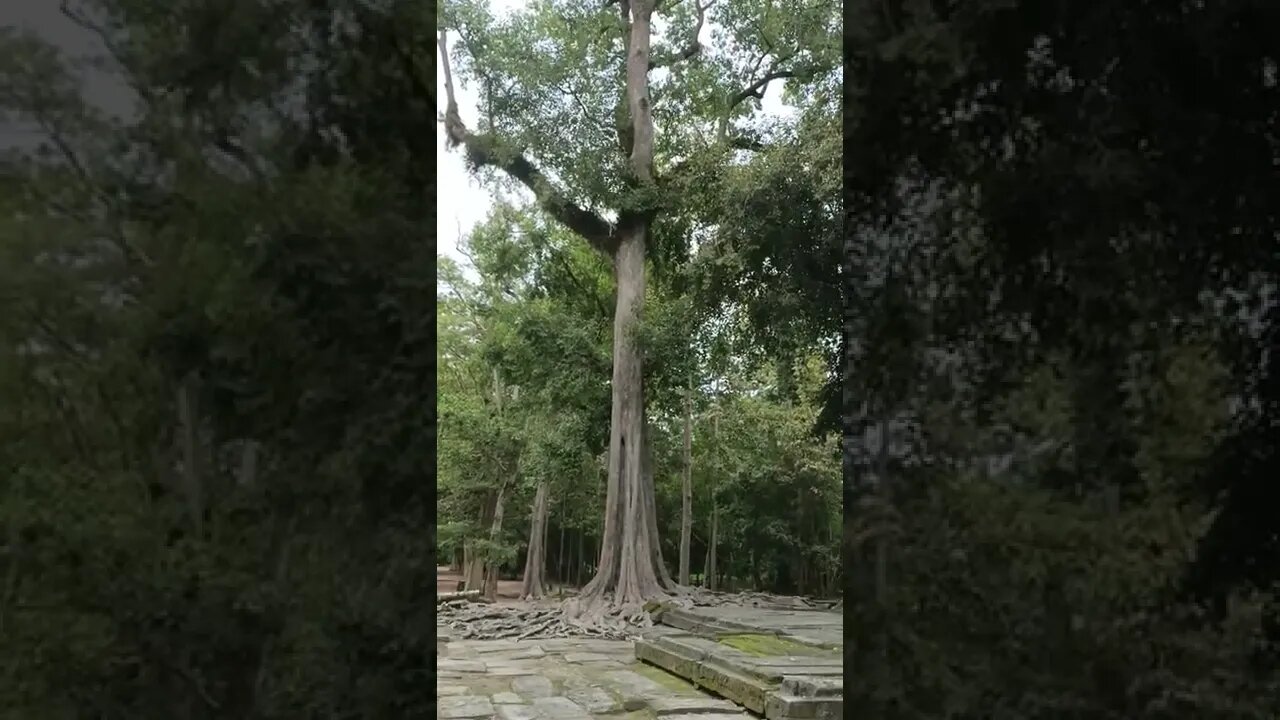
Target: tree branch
[757,88]
[693,47]
[489,150]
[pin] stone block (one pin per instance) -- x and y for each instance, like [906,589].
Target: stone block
[665,706]
[790,707]
[463,707]
[594,700]
[747,691]
[518,712]
[813,686]
[560,708]
[459,666]
[676,660]
[532,686]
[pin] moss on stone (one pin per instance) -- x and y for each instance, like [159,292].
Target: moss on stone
[761,645]
[657,608]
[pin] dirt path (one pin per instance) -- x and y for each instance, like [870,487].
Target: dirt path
[447,581]
[508,590]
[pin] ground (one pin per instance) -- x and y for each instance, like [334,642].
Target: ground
[778,657]
[447,581]
[565,679]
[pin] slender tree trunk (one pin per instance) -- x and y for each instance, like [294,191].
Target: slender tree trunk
[562,571]
[473,564]
[686,488]
[715,511]
[577,566]
[468,565]
[546,513]
[495,534]
[534,586]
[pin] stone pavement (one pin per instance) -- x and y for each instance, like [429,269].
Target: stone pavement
[783,664]
[569,679]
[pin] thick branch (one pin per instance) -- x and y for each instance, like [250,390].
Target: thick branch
[757,88]
[488,150]
[693,47]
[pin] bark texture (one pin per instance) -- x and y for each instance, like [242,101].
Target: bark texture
[534,585]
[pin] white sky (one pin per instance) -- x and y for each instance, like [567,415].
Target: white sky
[460,200]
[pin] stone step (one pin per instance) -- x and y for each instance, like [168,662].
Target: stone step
[810,628]
[780,687]
[791,707]
[813,687]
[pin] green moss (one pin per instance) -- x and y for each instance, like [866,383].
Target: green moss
[656,608]
[765,645]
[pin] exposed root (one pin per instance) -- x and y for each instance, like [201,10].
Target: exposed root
[508,622]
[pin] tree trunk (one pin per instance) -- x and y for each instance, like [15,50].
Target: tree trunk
[495,533]
[631,567]
[534,586]
[630,558]
[686,489]
[562,571]
[582,559]
[473,564]
[711,548]
[715,511]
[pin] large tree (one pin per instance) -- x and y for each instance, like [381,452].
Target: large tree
[571,94]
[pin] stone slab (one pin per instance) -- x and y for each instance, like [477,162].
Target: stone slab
[459,666]
[560,708]
[811,686]
[820,628]
[518,712]
[532,686]
[463,707]
[594,700]
[691,704]
[595,688]
[790,707]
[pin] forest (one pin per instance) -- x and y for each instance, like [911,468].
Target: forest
[977,337]
[662,282]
